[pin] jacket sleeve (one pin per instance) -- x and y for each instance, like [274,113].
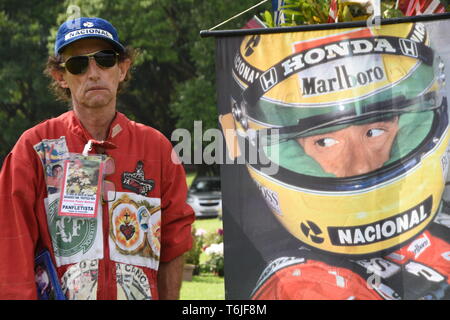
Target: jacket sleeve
[176,215]
[18,223]
[313,280]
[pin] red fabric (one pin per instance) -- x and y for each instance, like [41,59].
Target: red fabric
[23,189]
[316,280]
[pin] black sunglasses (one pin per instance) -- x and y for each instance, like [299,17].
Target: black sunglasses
[79,64]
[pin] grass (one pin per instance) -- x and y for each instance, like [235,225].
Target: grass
[203,287]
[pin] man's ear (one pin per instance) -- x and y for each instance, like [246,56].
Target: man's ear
[58,76]
[123,68]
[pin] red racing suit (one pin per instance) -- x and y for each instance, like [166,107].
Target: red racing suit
[113,256]
[418,270]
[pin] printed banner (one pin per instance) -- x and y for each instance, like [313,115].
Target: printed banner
[340,139]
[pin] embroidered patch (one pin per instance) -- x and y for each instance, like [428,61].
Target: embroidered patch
[418,246]
[132,283]
[80,281]
[136,182]
[380,267]
[73,239]
[51,151]
[135,223]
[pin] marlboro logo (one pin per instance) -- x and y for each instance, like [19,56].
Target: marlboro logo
[342,79]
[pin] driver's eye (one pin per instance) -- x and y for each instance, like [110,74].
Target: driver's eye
[326,142]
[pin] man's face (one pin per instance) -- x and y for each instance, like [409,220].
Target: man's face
[355,150]
[97,87]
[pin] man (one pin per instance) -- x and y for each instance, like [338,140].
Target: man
[108,254]
[362,153]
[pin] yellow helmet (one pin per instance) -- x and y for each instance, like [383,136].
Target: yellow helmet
[315,82]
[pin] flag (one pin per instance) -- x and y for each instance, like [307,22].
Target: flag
[278,14]
[418,7]
[333,15]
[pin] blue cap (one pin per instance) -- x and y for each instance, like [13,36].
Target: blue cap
[82,28]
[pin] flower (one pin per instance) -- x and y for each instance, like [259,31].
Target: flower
[215,262]
[200,232]
[193,256]
[215,248]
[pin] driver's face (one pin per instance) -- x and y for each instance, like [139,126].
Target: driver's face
[355,150]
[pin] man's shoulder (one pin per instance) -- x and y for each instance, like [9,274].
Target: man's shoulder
[46,128]
[143,131]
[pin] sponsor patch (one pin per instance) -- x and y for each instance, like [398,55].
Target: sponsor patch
[83,32]
[136,182]
[134,236]
[271,198]
[132,283]
[80,281]
[379,266]
[381,230]
[73,239]
[418,246]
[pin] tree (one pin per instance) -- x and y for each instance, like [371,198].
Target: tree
[25,100]
[173,79]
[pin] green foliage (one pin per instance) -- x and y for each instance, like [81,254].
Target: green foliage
[300,12]
[193,255]
[173,78]
[25,100]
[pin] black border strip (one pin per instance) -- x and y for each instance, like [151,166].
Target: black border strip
[324,26]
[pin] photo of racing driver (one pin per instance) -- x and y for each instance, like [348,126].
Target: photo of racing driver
[362,150]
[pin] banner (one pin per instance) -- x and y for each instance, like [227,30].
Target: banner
[337,162]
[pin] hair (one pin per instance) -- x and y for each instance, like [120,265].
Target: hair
[63,94]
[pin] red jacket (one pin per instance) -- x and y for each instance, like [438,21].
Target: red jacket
[418,270]
[102,258]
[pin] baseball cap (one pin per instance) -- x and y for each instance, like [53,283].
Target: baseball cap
[82,28]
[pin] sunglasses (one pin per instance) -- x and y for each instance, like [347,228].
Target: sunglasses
[79,64]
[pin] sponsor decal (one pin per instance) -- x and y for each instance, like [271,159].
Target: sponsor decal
[132,283]
[271,198]
[418,246]
[83,32]
[245,72]
[424,271]
[381,230]
[386,292]
[342,79]
[73,238]
[136,182]
[268,79]
[135,223]
[379,266]
[80,281]
[251,44]
[354,47]
[312,231]
[88,24]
